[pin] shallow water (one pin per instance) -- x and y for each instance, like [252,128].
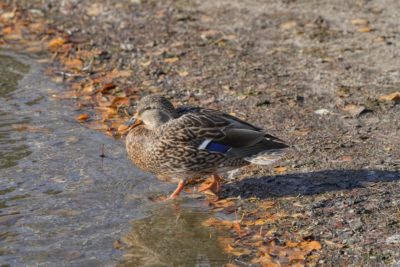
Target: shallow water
[61,204]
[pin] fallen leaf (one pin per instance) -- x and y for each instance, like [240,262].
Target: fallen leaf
[288,25]
[359,22]
[265,260]
[236,251]
[94,9]
[145,63]
[296,255]
[310,245]
[333,244]
[209,34]
[56,42]
[82,117]
[171,59]
[346,159]
[74,63]
[365,29]
[120,101]
[120,73]
[183,73]
[280,169]
[218,223]
[354,110]
[391,97]
[8,15]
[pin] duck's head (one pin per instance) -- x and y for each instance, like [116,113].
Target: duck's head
[152,111]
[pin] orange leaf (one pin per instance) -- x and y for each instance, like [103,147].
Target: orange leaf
[280,169]
[56,42]
[218,223]
[120,101]
[365,29]
[391,97]
[237,251]
[266,204]
[309,246]
[75,63]
[171,59]
[82,117]
[297,255]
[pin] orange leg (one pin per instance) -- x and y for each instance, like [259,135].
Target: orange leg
[178,189]
[214,186]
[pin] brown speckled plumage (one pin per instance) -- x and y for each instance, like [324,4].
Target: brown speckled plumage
[168,141]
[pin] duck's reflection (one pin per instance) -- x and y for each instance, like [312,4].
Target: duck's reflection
[172,236]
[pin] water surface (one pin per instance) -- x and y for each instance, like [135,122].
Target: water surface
[61,204]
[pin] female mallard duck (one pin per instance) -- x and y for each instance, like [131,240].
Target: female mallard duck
[191,142]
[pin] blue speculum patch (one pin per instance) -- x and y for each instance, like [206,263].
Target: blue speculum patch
[217,147]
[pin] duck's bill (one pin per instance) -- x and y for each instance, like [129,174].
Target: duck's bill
[124,128]
[133,122]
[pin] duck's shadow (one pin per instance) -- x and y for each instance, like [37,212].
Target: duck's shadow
[306,183]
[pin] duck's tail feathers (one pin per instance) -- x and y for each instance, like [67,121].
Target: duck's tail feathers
[266,157]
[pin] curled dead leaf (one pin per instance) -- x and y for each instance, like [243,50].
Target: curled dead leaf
[310,245]
[56,42]
[280,169]
[391,97]
[225,224]
[288,25]
[171,59]
[236,251]
[359,22]
[82,117]
[354,110]
[365,29]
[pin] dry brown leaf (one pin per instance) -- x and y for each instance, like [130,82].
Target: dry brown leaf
[280,169]
[236,251]
[94,9]
[288,25]
[359,22]
[56,42]
[120,101]
[265,260]
[145,63]
[171,59]
[218,223]
[82,117]
[74,63]
[231,265]
[354,110]
[183,73]
[310,245]
[391,97]
[297,255]
[266,204]
[223,203]
[8,15]
[365,29]
[346,159]
[120,73]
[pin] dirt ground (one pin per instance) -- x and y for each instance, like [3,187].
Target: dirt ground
[321,75]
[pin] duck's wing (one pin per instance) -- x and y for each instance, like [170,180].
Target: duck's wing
[216,131]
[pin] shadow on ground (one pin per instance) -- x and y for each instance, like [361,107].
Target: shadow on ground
[311,183]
